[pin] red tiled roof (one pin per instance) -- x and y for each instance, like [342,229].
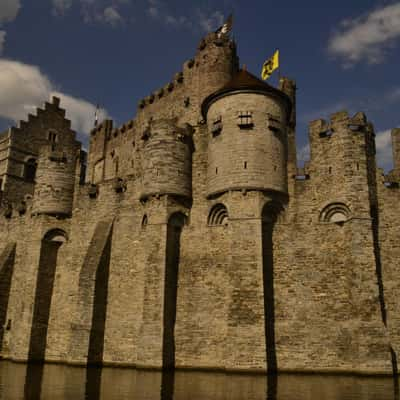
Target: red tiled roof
[245,81]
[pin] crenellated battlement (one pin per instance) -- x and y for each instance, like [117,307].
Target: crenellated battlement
[340,138]
[210,69]
[339,122]
[344,146]
[163,92]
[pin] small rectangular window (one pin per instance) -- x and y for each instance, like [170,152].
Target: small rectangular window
[274,123]
[146,135]
[216,126]
[52,137]
[245,120]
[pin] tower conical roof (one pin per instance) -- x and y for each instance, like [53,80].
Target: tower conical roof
[244,81]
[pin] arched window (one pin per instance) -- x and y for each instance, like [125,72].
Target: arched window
[145,221]
[335,213]
[56,235]
[218,215]
[30,170]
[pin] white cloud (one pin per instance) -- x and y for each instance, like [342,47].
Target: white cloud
[210,22]
[24,88]
[303,154]
[105,11]
[384,155]
[111,16]
[394,95]
[79,111]
[2,40]
[9,10]
[60,7]
[368,36]
[153,12]
[159,11]
[154,8]
[196,19]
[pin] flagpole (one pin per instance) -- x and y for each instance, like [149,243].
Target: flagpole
[279,68]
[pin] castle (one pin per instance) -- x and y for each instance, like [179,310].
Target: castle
[189,238]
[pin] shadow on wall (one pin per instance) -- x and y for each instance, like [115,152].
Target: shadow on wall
[378,265]
[174,230]
[272,387]
[33,381]
[50,246]
[87,336]
[269,216]
[93,383]
[6,271]
[167,385]
[96,339]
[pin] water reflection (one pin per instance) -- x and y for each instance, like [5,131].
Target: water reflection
[167,385]
[272,387]
[50,382]
[93,383]
[33,381]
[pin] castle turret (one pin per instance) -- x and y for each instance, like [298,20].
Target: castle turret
[167,159]
[215,63]
[55,178]
[247,120]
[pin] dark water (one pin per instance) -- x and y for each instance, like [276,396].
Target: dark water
[18,381]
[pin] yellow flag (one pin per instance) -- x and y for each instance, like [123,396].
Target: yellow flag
[270,66]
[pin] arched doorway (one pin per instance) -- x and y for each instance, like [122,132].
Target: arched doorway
[174,230]
[269,217]
[51,243]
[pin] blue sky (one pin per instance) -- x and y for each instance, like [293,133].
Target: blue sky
[343,54]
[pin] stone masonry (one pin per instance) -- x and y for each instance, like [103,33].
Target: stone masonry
[189,238]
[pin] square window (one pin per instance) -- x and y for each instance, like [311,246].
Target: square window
[245,120]
[216,126]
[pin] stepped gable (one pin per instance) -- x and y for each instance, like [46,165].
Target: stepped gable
[244,81]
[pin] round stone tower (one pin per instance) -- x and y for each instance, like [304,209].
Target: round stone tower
[167,159]
[55,177]
[247,122]
[215,63]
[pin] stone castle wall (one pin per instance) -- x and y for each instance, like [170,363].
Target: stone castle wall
[151,263]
